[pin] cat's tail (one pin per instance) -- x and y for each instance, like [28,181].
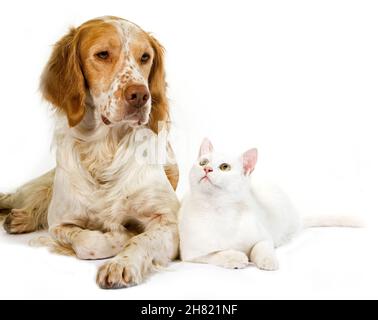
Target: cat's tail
[332,221]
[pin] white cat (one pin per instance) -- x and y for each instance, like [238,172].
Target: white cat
[229,220]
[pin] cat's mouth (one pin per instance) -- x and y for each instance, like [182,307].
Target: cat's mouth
[205,178]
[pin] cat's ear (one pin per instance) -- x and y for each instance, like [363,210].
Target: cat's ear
[249,161]
[206,147]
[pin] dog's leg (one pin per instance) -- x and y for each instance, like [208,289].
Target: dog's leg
[155,247]
[28,205]
[20,221]
[156,208]
[88,244]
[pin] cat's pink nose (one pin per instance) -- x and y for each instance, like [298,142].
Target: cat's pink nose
[208,169]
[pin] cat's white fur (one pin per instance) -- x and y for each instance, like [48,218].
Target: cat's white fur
[229,219]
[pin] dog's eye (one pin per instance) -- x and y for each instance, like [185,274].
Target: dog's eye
[225,167]
[103,55]
[203,162]
[145,57]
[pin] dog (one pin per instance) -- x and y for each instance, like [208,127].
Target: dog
[106,81]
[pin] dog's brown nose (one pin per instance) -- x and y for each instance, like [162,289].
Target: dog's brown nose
[137,95]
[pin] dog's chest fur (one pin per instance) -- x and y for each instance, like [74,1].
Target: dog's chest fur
[103,174]
[97,159]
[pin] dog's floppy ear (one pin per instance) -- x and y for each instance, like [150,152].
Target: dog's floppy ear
[62,82]
[157,86]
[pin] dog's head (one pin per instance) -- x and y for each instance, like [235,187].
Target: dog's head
[112,66]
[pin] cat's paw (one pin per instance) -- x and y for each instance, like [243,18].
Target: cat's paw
[267,262]
[232,259]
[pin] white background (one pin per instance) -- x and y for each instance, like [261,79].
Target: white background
[296,79]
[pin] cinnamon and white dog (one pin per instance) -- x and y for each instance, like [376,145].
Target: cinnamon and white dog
[106,81]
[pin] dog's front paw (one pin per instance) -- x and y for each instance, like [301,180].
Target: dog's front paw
[118,273]
[267,262]
[232,259]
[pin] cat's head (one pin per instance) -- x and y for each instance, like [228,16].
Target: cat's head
[213,171]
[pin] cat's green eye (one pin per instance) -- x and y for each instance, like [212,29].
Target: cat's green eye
[225,167]
[203,162]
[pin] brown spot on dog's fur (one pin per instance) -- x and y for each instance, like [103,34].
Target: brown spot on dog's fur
[118,93]
[134,226]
